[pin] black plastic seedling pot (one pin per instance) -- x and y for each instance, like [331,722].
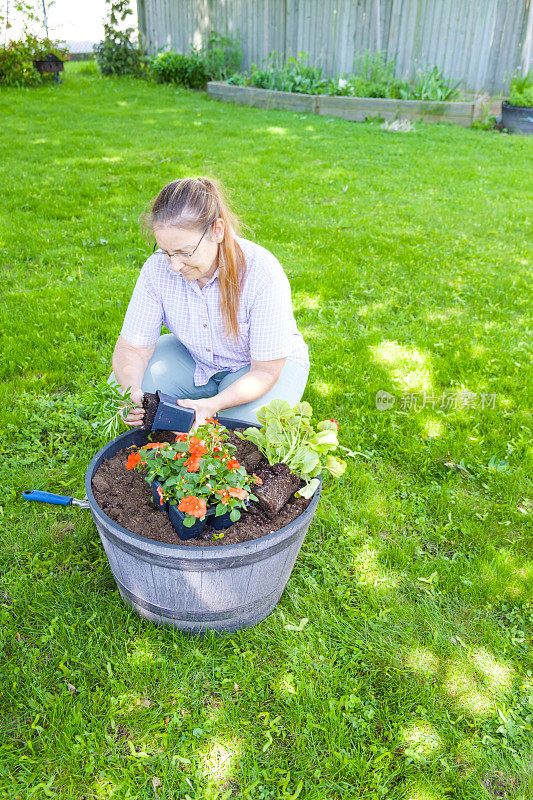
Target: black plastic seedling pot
[177,519]
[220,523]
[155,496]
[164,414]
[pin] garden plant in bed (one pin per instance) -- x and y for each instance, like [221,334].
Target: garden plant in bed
[215,486]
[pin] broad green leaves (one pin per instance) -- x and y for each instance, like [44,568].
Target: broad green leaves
[288,436]
[335,465]
[309,489]
[305,409]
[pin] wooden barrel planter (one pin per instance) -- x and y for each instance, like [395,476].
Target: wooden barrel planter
[197,589]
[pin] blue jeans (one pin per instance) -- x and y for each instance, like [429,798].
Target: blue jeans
[171,370]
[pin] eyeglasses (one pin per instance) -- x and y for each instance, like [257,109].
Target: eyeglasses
[180,253]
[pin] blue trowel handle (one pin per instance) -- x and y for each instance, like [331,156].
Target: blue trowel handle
[47,497]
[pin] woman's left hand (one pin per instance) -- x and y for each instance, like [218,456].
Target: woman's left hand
[203,408]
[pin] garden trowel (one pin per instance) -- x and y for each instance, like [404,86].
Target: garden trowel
[54,499]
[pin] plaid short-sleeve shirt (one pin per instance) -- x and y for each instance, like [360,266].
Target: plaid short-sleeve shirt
[267,328]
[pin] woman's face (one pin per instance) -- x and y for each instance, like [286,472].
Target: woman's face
[192,253]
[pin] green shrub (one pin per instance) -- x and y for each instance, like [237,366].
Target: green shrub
[118,54]
[17,57]
[221,56]
[179,68]
[521,93]
[16,66]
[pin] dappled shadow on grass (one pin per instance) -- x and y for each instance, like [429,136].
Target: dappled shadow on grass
[431,703]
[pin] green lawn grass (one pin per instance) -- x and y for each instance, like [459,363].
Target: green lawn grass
[398,663]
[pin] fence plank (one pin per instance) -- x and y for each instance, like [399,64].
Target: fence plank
[508,61]
[479,48]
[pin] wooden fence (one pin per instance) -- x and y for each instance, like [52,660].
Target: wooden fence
[477,42]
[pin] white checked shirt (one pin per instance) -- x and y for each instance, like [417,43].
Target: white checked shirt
[267,328]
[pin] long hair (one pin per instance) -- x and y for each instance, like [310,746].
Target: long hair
[193,203]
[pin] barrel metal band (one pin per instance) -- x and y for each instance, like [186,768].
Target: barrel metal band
[201,564]
[201,616]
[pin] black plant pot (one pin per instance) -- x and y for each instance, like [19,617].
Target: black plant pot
[155,496]
[224,521]
[177,519]
[220,523]
[517,119]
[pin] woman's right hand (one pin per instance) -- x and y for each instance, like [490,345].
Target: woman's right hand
[135,417]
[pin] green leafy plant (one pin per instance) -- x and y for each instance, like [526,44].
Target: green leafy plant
[296,75]
[197,471]
[373,76]
[105,404]
[118,53]
[521,90]
[41,49]
[17,57]
[431,85]
[221,56]
[16,65]
[288,436]
[374,66]
[186,70]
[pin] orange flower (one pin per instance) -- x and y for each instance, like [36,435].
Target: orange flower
[160,493]
[153,445]
[257,479]
[133,459]
[181,437]
[225,496]
[238,492]
[179,455]
[193,463]
[212,420]
[197,446]
[233,464]
[195,506]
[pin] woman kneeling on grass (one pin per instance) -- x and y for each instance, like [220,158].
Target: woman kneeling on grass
[234,345]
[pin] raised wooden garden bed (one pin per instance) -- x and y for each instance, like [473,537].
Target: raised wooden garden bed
[356,109]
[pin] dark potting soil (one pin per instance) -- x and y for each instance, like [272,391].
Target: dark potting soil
[279,483]
[150,404]
[126,497]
